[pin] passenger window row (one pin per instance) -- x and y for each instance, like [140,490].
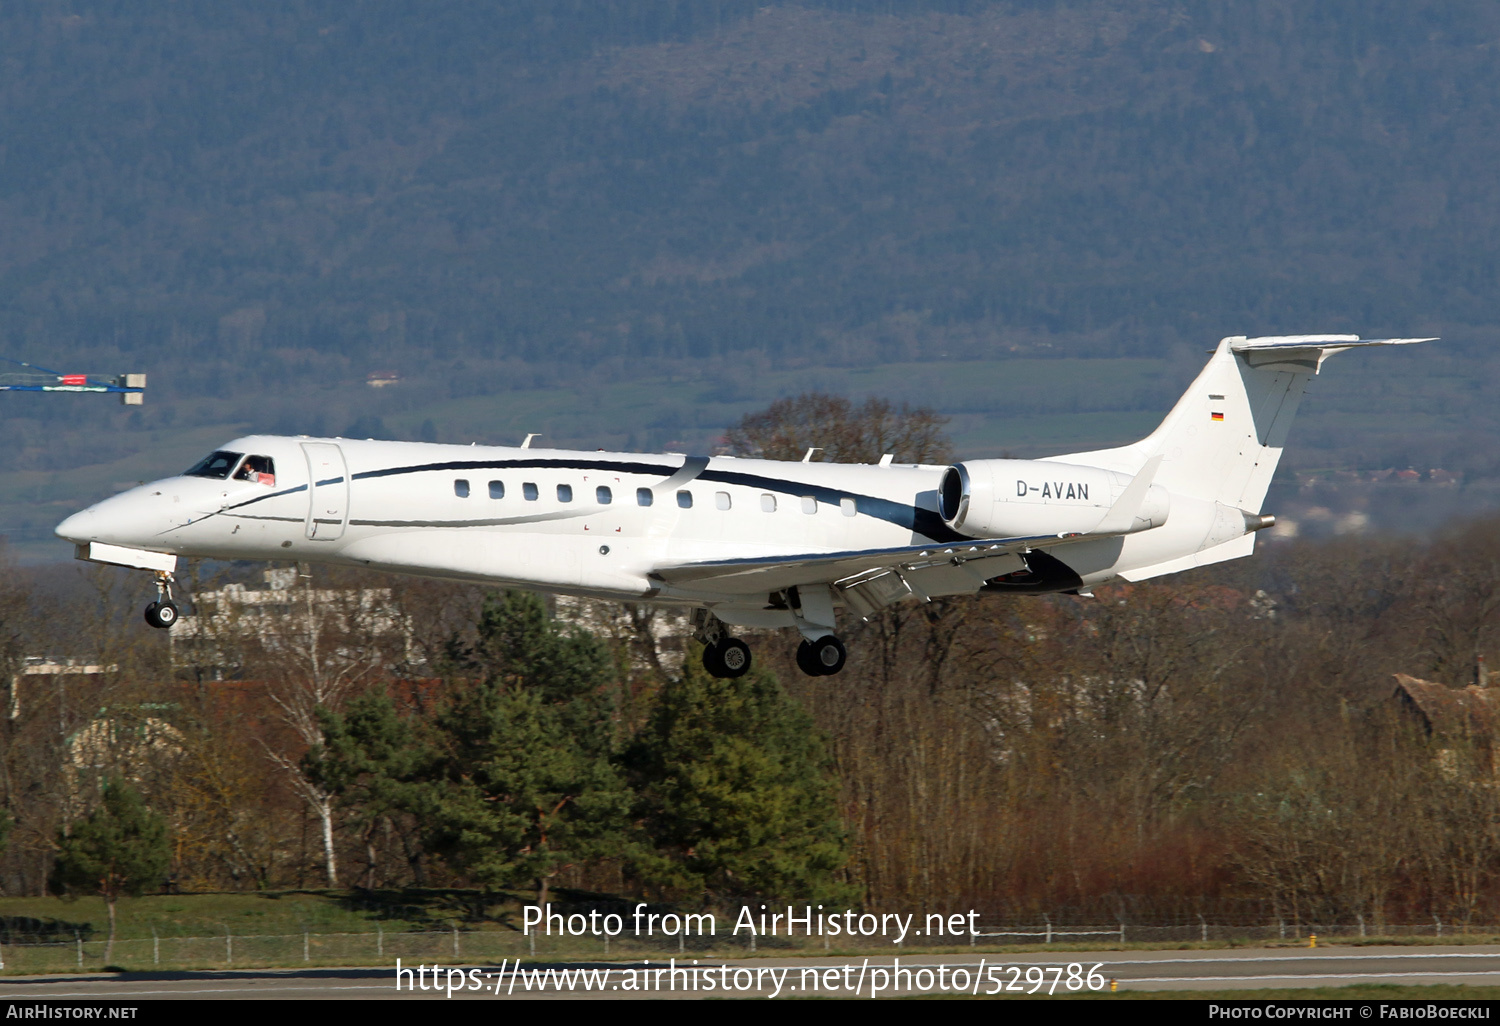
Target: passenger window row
[603,495]
[644,497]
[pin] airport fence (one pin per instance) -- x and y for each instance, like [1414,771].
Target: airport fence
[456,946]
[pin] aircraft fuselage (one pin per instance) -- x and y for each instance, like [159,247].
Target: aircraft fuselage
[585,523]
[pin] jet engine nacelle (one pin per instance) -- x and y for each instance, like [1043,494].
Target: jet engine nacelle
[1031,498]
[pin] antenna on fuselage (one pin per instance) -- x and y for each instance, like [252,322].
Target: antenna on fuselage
[527,444]
[807,458]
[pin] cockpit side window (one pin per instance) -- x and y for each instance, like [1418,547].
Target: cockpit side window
[216,465]
[261,469]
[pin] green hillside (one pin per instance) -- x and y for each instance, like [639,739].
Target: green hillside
[527,208]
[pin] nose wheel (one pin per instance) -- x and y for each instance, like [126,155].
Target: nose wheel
[162,613]
[821,658]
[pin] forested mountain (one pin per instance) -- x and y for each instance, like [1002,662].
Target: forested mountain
[260,204]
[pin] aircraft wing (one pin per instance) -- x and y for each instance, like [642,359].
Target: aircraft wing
[758,575]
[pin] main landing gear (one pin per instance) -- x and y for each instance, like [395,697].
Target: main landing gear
[723,656]
[821,658]
[163,612]
[729,658]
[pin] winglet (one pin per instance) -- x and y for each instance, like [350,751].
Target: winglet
[1121,516]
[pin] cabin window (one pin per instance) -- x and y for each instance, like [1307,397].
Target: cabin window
[809,504]
[768,502]
[260,469]
[216,465]
[528,491]
[847,505]
[643,497]
[685,499]
[603,496]
[497,489]
[461,488]
[721,500]
[564,493]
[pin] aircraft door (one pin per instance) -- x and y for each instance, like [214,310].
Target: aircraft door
[327,490]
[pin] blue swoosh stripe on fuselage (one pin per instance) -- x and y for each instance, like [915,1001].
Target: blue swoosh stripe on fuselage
[921,521]
[530,464]
[914,518]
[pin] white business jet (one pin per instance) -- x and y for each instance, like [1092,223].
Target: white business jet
[740,542]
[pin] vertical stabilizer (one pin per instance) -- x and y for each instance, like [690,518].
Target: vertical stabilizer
[1223,439]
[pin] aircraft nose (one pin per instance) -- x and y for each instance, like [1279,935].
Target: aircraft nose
[80,527]
[132,518]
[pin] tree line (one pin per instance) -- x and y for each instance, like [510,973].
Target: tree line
[1230,735]
[521,759]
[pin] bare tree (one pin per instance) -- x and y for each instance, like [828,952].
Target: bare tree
[313,647]
[845,433]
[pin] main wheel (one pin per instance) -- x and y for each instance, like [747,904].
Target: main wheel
[712,662]
[828,655]
[161,615]
[805,660]
[734,657]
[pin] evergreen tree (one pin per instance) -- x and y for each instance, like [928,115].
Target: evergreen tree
[119,848]
[372,759]
[735,792]
[523,781]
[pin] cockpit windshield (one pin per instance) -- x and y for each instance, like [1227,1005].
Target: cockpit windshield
[216,465]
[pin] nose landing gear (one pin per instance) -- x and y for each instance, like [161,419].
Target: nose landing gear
[163,612]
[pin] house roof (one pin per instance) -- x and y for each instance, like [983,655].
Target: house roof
[1449,711]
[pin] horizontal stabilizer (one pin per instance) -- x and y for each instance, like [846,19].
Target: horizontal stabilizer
[1241,345]
[1304,353]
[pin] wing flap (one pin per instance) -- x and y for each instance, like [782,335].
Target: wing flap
[762,574]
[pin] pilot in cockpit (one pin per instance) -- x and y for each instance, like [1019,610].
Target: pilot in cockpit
[259,469]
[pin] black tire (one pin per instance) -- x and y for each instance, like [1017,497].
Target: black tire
[161,615]
[712,663]
[805,660]
[734,657]
[828,655]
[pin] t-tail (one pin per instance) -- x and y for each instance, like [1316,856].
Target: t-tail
[1224,437]
[1219,447]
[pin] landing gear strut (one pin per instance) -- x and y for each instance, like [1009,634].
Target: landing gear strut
[163,612]
[821,658]
[723,656]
